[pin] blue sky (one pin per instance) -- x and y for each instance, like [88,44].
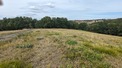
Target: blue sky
[72,9]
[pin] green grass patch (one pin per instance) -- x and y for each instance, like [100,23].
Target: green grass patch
[102,65]
[114,51]
[14,64]
[92,56]
[120,50]
[86,57]
[87,44]
[106,50]
[71,42]
[25,46]
[86,54]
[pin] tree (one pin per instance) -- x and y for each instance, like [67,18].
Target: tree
[83,26]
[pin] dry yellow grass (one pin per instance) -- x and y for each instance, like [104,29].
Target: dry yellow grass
[65,48]
[9,32]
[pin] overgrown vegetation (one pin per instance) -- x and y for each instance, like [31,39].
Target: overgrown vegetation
[86,57]
[113,27]
[63,48]
[106,50]
[15,64]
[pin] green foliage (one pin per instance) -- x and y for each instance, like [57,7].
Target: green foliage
[113,27]
[83,26]
[71,42]
[14,64]
[25,46]
[17,23]
[27,22]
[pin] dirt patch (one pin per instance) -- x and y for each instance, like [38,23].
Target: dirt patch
[7,37]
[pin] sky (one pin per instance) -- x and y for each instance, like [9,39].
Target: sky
[71,9]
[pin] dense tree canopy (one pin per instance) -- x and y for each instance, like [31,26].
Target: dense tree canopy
[113,26]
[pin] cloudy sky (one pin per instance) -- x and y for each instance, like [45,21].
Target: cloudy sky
[72,9]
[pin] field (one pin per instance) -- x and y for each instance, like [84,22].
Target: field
[59,48]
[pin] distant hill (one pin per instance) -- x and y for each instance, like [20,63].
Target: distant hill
[89,21]
[93,20]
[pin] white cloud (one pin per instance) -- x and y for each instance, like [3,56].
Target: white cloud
[68,8]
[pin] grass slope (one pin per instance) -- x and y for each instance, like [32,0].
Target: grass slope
[60,48]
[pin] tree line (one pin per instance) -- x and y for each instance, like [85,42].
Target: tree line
[28,22]
[113,26]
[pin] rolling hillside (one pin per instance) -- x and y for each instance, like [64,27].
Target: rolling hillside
[59,48]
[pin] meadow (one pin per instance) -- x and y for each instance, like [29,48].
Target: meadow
[59,48]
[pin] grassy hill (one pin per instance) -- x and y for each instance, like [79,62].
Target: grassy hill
[59,48]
